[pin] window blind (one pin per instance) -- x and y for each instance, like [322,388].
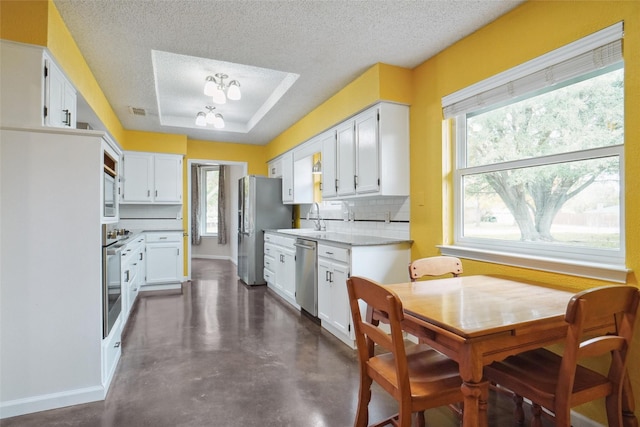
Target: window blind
[590,53]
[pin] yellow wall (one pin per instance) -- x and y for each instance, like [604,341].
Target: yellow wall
[24,22]
[380,82]
[527,32]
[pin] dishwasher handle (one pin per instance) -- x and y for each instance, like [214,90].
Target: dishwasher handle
[307,247]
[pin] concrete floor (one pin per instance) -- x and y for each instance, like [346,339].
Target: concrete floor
[224,354]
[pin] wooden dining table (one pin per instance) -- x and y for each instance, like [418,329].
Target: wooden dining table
[476,320]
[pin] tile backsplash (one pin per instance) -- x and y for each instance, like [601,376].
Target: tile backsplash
[386,217]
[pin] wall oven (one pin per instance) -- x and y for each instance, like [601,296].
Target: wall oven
[111,285]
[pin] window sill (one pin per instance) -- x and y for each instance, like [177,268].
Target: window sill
[608,272]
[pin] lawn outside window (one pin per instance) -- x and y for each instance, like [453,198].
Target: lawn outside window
[539,170]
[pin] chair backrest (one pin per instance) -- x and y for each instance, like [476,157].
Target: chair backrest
[615,306]
[435,266]
[367,334]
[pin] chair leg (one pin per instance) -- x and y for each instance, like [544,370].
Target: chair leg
[364,396]
[420,419]
[536,411]
[518,412]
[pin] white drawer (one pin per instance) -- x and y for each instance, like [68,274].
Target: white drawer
[268,237]
[268,275]
[269,262]
[163,237]
[334,252]
[269,249]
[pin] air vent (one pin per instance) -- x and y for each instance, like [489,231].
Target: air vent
[137,111]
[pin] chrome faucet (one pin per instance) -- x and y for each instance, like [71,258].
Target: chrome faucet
[317,221]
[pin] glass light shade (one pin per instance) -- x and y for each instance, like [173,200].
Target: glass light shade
[317,168]
[233,92]
[211,117]
[201,119]
[218,121]
[209,86]
[218,95]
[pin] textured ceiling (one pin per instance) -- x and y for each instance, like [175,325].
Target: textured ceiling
[328,43]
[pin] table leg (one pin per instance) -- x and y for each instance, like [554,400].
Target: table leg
[475,404]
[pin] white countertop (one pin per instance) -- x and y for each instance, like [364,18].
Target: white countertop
[341,238]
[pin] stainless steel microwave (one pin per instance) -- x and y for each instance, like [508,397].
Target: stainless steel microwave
[110,196]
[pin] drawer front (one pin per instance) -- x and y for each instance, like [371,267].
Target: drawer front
[268,237]
[268,275]
[163,237]
[269,250]
[269,262]
[334,252]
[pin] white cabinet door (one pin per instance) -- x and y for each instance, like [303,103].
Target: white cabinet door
[280,271]
[289,273]
[367,168]
[275,169]
[168,179]
[324,291]
[345,159]
[61,98]
[287,177]
[137,177]
[164,263]
[341,311]
[152,178]
[328,142]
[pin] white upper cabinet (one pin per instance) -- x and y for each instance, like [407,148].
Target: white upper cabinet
[34,90]
[60,98]
[152,178]
[287,177]
[275,168]
[329,185]
[373,153]
[345,159]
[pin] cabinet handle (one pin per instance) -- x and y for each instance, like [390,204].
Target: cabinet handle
[355,181]
[290,191]
[67,117]
[156,193]
[273,171]
[331,277]
[178,252]
[148,193]
[329,253]
[163,238]
[116,345]
[140,259]
[326,276]
[336,184]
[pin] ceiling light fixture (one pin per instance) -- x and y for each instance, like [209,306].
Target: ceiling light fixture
[210,117]
[317,168]
[215,87]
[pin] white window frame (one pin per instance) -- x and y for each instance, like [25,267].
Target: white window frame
[579,261]
[203,201]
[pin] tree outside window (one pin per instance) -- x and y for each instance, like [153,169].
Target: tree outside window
[546,169]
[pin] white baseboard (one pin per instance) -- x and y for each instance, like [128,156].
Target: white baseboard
[44,402]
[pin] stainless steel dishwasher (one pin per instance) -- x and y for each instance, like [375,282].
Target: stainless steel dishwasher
[307,275]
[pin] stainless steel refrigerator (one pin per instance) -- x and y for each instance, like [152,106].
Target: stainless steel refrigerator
[260,208]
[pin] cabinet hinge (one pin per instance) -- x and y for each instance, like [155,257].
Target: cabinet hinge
[378,115]
[46,71]
[349,328]
[46,111]
[378,182]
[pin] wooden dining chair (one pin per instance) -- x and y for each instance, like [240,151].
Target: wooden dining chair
[557,382]
[416,376]
[435,266]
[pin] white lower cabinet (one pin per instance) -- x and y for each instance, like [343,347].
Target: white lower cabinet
[164,258]
[280,266]
[385,264]
[111,351]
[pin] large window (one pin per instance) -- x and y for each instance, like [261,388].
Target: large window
[209,202]
[539,164]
